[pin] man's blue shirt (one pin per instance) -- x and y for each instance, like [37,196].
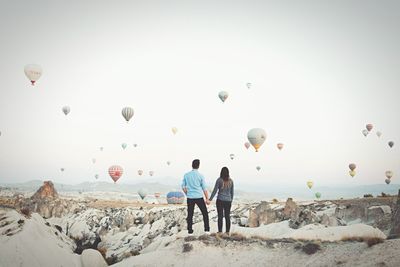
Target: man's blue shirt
[195,184]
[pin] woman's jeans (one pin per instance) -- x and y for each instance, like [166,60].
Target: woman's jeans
[224,210]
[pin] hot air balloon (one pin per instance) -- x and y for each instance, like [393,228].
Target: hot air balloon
[365,132]
[352,173]
[157,195]
[280,146]
[391,144]
[369,127]
[174,130]
[151,173]
[140,172]
[378,133]
[115,172]
[389,174]
[124,145]
[387,181]
[94,161]
[247,145]
[62,169]
[142,193]
[310,184]
[232,156]
[352,166]
[33,72]
[257,137]
[175,197]
[127,113]
[258,168]
[248,85]
[134,145]
[223,95]
[168,163]
[101,148]
[96,176]
[318,195]
[66,110]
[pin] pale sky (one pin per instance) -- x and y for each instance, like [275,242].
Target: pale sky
[320,71]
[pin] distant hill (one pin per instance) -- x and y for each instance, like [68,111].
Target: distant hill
[94,186]
[242,191]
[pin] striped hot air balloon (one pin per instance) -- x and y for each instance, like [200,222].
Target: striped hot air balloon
[33,72]
[127,113]
[175,197]
[115,172]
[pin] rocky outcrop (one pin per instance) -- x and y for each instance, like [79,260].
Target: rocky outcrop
[395,225]
[47,203]
[46,191]
[263,214]
[304,217]
[376,212]
[351,212]
[329,220]
[291,210]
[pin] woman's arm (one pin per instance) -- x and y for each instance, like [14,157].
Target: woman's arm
[215,190]
[232,191]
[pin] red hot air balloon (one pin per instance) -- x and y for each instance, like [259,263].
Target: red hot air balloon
[115,172]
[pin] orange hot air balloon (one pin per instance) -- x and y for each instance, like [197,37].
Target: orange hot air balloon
[115,172]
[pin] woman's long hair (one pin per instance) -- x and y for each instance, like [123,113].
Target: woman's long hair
[226,179]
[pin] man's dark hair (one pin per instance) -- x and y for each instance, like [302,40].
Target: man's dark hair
[196,164]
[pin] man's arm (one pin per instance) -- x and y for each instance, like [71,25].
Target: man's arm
[203,186]
[206,195]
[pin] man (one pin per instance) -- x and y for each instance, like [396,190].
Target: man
[194,186]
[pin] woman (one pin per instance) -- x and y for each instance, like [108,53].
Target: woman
[224,185]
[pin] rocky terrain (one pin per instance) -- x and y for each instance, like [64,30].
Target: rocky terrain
[121,232]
